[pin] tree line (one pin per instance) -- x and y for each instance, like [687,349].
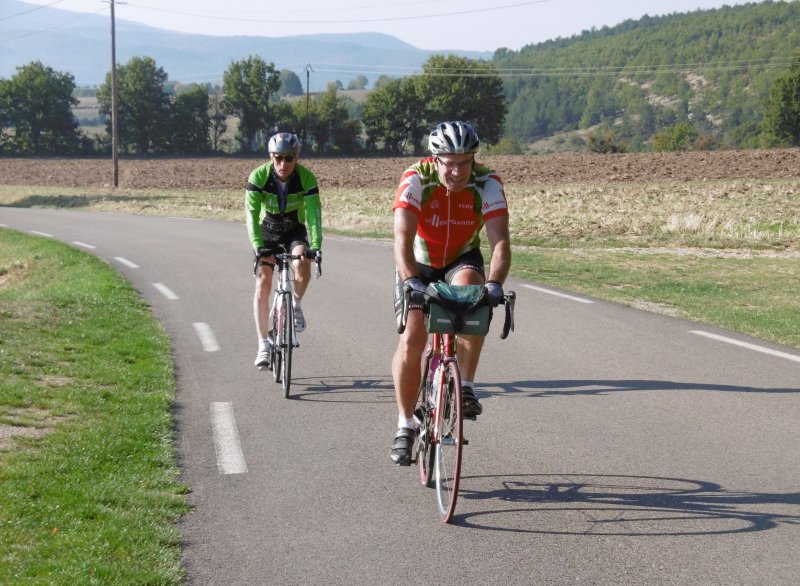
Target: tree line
[694,81]
[155,117]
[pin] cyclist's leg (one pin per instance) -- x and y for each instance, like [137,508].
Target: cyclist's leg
[302,268]
[261,300]
[297,242]
[469,270]
[406,376]
[263,274]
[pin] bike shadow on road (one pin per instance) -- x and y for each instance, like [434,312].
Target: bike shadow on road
[344,389]
[587,387]
[620,505]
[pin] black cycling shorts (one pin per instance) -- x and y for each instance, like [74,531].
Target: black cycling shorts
[469,260]
[282,240]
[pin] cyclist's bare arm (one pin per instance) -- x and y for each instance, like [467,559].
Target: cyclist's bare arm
[405,229]
[500,247]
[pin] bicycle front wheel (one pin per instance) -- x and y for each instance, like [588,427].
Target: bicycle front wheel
[279,317]
[286,346]
[449,440]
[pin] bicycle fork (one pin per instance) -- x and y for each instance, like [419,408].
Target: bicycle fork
[439,407]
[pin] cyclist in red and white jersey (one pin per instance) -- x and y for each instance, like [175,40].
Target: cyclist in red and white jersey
[440,206]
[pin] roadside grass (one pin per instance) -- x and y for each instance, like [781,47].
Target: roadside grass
[88,478]
[748,293]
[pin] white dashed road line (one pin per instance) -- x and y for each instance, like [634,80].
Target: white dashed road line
[126,262]
[230,459]
[41,233]
[165,291]
[754,347]
[207,337]
[557,294]
[83,244]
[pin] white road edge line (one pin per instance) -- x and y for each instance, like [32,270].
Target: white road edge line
[79,243]
[206,335]
[557,294]
[41,233]
[126,262]
[165,291]
[754,347]
[230,459]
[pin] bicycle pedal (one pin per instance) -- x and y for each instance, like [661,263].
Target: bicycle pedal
[464,441]
[470,417]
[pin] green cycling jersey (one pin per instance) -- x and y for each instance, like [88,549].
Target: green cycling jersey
[299,198]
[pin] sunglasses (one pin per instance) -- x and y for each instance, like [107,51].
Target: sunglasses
[287,158]
[455,166]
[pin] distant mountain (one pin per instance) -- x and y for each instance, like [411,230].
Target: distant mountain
[80,44]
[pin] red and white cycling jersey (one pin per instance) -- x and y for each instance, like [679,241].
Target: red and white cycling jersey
[448,225]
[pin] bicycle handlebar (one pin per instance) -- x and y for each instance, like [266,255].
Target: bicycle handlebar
[309,253]
[509,300]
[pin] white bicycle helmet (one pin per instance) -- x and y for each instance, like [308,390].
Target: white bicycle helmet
[453,138]
[284,143]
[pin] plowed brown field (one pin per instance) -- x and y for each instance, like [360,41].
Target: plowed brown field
[365,172]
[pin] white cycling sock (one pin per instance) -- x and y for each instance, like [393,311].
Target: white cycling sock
[467,383]
[406,422]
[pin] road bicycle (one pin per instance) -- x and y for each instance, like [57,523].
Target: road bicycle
[449,311]
[282,337]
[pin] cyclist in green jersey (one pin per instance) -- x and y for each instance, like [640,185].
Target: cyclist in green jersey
[282,207]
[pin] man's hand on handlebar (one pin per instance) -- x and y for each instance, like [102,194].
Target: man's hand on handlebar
[495,292]
[416,289]
[316,255]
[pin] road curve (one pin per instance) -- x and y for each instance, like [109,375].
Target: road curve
[616,446]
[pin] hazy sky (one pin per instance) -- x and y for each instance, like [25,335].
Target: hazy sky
[475,25]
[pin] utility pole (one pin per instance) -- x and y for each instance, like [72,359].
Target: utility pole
[308,76]
[114,100]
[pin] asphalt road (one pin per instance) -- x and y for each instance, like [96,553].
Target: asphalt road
[616,446]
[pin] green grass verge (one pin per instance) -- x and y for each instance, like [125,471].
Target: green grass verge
[88,478]
[755,295]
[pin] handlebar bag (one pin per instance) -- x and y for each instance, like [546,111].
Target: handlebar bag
[457,309]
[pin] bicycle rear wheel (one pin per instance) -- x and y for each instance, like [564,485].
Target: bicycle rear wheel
[449,440]
[286,346]
[424,449]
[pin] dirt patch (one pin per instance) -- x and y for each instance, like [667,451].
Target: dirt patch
[218,173]
[7,432]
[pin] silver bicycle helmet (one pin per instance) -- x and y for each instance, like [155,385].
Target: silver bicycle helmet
[453,138]
[284,143]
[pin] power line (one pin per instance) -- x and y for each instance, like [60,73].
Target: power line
[338,9]
[55,26]
[31,10]
[423,15]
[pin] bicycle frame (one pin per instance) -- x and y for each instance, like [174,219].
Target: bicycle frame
[443,351]
[283,288]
